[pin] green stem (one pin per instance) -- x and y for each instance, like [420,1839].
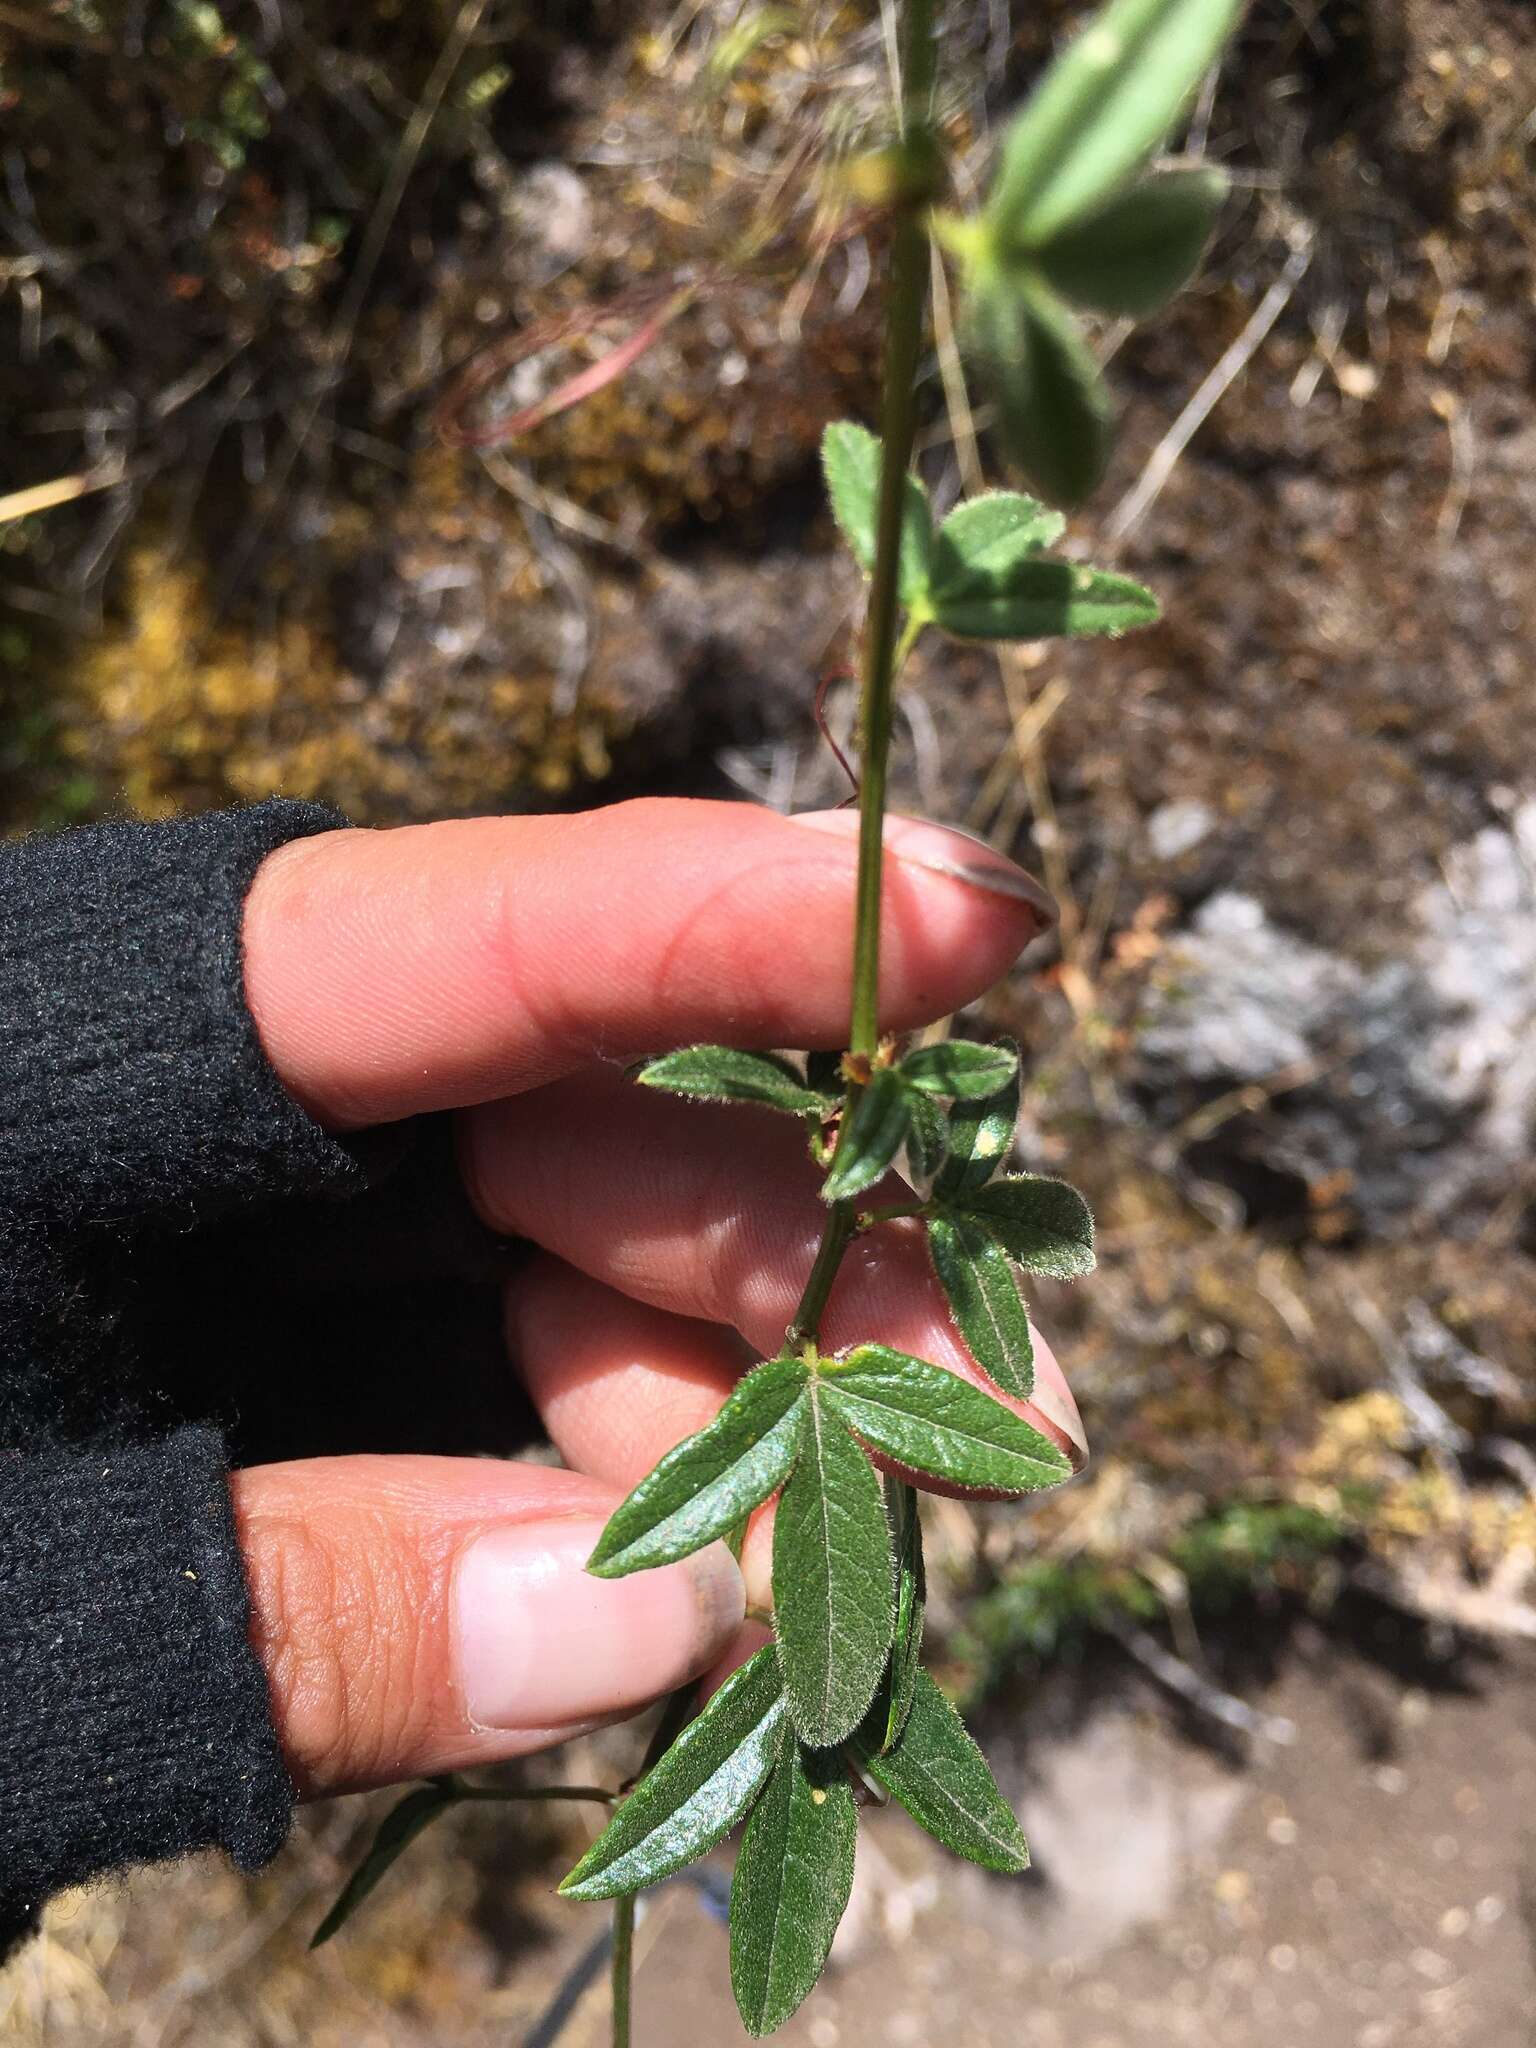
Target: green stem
[886,644]
[501,1794]
[623,1967]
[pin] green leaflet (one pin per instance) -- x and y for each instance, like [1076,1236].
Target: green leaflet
[398,1829]
[960,1068]
[1099,112]
[698,1791]
[1054,408]
[1044,598]
[932,1421]
[711,1480]
[832,1588]
[720,1073]
[990,534]
[911,1607]
[980,1138]
[850,459]
[1135,252]
[984,1300]
[939,1775]
[1044,1224]
[927,1136]
[793,1876]
[875,1132]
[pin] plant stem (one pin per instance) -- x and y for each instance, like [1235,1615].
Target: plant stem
[623,1967]
[885,644]
[501,1794]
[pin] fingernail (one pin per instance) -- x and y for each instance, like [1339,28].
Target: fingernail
[540,1641]
[945,850]
[1053,1402]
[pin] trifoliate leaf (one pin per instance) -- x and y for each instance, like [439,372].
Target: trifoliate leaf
[911,1606]
[696,1794]
[980,1139]
[1132,254]
[704,1486]
[1053,407]
[1045,598]
[832,1585]
[987,535]
[927,1136]
[984,1300]
[960,1068]
[874,1133]
[1100,111]
[719,1073]
[939,1775]
[398,1829]
[932,1421]
[793,1876]
[850,459]
[1044,1224]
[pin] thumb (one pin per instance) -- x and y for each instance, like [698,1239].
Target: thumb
[417,1614]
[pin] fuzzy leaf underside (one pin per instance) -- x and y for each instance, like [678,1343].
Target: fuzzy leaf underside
[850,460]
[793,1876]
[722,1073]
[833,1599]
[939,1775]
[712,1480]
[1044,1225]
[695,1795]
[875,1133]
[1100,111]
[984,1300]
[932,1421]
[398,1829]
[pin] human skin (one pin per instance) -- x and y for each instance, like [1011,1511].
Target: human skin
[421,1614]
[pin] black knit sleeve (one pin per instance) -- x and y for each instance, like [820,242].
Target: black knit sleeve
[134,1100]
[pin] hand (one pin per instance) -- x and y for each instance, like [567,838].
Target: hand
[423,1614]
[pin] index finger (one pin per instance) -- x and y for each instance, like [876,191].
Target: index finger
[433,966]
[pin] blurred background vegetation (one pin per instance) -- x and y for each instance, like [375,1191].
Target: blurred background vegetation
[255,257]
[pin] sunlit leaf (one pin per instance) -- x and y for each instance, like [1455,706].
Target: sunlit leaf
[986,535]
[850,459]
[960,1068]
[398,1829]
[832,1580]
[1053,407]
[704,1486]
[1136,251]
[984,1300]
[1101,109]
[874,1133]
[1044,1224]
[932,1421]
[696,1794]
[939,1775]
[1045,598]
[794,1873]
[720,1073]
[980,1140]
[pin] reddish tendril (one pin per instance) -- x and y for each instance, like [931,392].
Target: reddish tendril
[843,673]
